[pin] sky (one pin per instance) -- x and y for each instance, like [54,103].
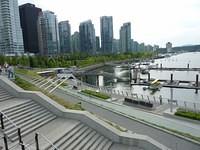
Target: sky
[152,21]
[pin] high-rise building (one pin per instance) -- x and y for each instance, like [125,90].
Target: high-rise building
[106,23]
[141,47]
[97,43]
[169,47]
[75,42]
[155,47]
[29,15]
[11,40]
[125,37]
[65,36]
[116,46]
[87,37]
[48,34]
[136,46]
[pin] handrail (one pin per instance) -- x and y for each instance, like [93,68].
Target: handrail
[46,139]
[9,120]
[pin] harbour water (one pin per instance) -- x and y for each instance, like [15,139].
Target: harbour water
[122,82]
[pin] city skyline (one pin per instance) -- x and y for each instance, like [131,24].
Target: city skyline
[153,22]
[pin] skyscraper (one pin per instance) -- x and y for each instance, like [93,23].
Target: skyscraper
[87,37]
[75,42]
[106,34]
[169,47]
[11,40]
[97,44]
[48,34]
[65,36]
[29,15]
[125,37]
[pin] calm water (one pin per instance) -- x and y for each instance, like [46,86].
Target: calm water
[180,61]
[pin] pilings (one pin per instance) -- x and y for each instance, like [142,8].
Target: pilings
[197,83]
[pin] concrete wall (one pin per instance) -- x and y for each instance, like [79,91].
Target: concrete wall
[115,135]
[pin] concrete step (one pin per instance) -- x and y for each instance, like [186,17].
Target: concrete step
[85,141]
[5,105]
[62,129]
[22,115]
[69,141]
[62,140]
[91,142]
[18,106]
[30,121]
[96,143]
[5,97]
[102,144]
[3,93]
[24,119]
[33,126]
[108,145]
[79,139]
[13,111]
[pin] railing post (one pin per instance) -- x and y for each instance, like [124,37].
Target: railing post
[22,146]
[19,135]
[2,124]
[37,141]
[5,142]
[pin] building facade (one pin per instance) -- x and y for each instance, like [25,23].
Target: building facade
[48,34]
[87,37]
[125,37]
[75,42]
[97,44]
[65,36]
[106,23]
[11,40]
[169,47]
[29,15]
[116,46]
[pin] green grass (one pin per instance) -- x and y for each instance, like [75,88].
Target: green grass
[96,94]
[30,87]
[188,114]
[27,72]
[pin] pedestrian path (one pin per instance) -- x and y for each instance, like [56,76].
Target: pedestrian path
[179,125]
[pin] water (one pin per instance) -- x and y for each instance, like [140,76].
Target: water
[176,61]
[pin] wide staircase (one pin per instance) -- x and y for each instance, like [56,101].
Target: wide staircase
[55,132]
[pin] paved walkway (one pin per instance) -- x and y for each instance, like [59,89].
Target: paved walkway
[182,126]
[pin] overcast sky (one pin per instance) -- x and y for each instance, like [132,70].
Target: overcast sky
[152,21]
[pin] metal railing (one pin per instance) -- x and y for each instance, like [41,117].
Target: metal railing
[46,139]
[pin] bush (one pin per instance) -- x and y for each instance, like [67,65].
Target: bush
[96,94]
[188,114]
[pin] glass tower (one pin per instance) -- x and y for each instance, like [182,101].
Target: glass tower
[11,40]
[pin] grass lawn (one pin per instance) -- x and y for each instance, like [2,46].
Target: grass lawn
[30,87]
[188,114]
[96,94]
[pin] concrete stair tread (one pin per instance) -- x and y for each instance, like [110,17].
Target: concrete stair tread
[22,111]
[90,143]
[20,121]
[31,127]
[102,144]
[80,139]
[62,140]
[30,122]
[18,107]
[96,143]
[6,97]
[85,141]
[58,127]
[108,145]
[24,114]
[68,135]
[11,103]
[68,142]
